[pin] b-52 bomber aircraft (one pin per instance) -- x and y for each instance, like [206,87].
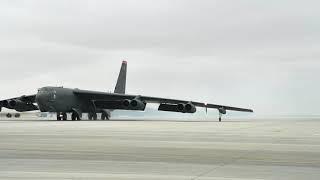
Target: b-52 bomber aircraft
[65,100]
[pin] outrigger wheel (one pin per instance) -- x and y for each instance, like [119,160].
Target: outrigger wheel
[222,111]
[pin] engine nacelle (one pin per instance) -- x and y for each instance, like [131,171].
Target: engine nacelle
[134,104]
[183,108]
[222,110]
[19,105]
[13,103]
[126,103]
[5,104]
[190,108]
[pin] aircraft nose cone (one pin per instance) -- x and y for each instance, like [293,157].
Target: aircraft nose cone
[42,99]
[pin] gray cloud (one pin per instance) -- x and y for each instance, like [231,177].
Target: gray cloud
[256,53]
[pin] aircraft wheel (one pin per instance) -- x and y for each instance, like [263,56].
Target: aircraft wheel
[220,117]
[95,117]
[104,116]
[90,116]
[64,116]
[75,116]
[58,117]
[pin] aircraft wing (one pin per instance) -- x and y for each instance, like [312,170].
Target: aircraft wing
[110,100]
[21,104]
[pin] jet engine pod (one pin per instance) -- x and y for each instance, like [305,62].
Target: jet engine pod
[190,108]
[168,107]
[20,106]
[134,104]
[183,108]
[13,103]
[5,103]
[222,110]
[138,104]
[126,103]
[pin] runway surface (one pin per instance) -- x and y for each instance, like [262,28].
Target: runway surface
[251,149]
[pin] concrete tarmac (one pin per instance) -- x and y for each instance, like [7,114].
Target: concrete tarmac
[251,149]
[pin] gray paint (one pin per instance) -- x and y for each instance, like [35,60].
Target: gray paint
[63,100]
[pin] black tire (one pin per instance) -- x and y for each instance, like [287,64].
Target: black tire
[9,115]
[95,116]
[58,117]
[90,116]
[73,117]
[64,116]
[104,116]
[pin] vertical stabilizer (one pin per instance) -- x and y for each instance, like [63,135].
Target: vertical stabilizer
[121,83]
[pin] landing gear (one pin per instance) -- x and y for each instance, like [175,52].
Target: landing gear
[222,111]
[61,116]
[75,116]
[64,116]
[104,116]
[92,116]
[58,116]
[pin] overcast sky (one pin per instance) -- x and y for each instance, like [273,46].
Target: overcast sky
[259,54]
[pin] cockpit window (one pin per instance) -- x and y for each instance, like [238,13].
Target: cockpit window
[41,91]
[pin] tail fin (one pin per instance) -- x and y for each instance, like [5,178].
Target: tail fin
[121,83]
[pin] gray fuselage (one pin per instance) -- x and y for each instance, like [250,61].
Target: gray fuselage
[59,99]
